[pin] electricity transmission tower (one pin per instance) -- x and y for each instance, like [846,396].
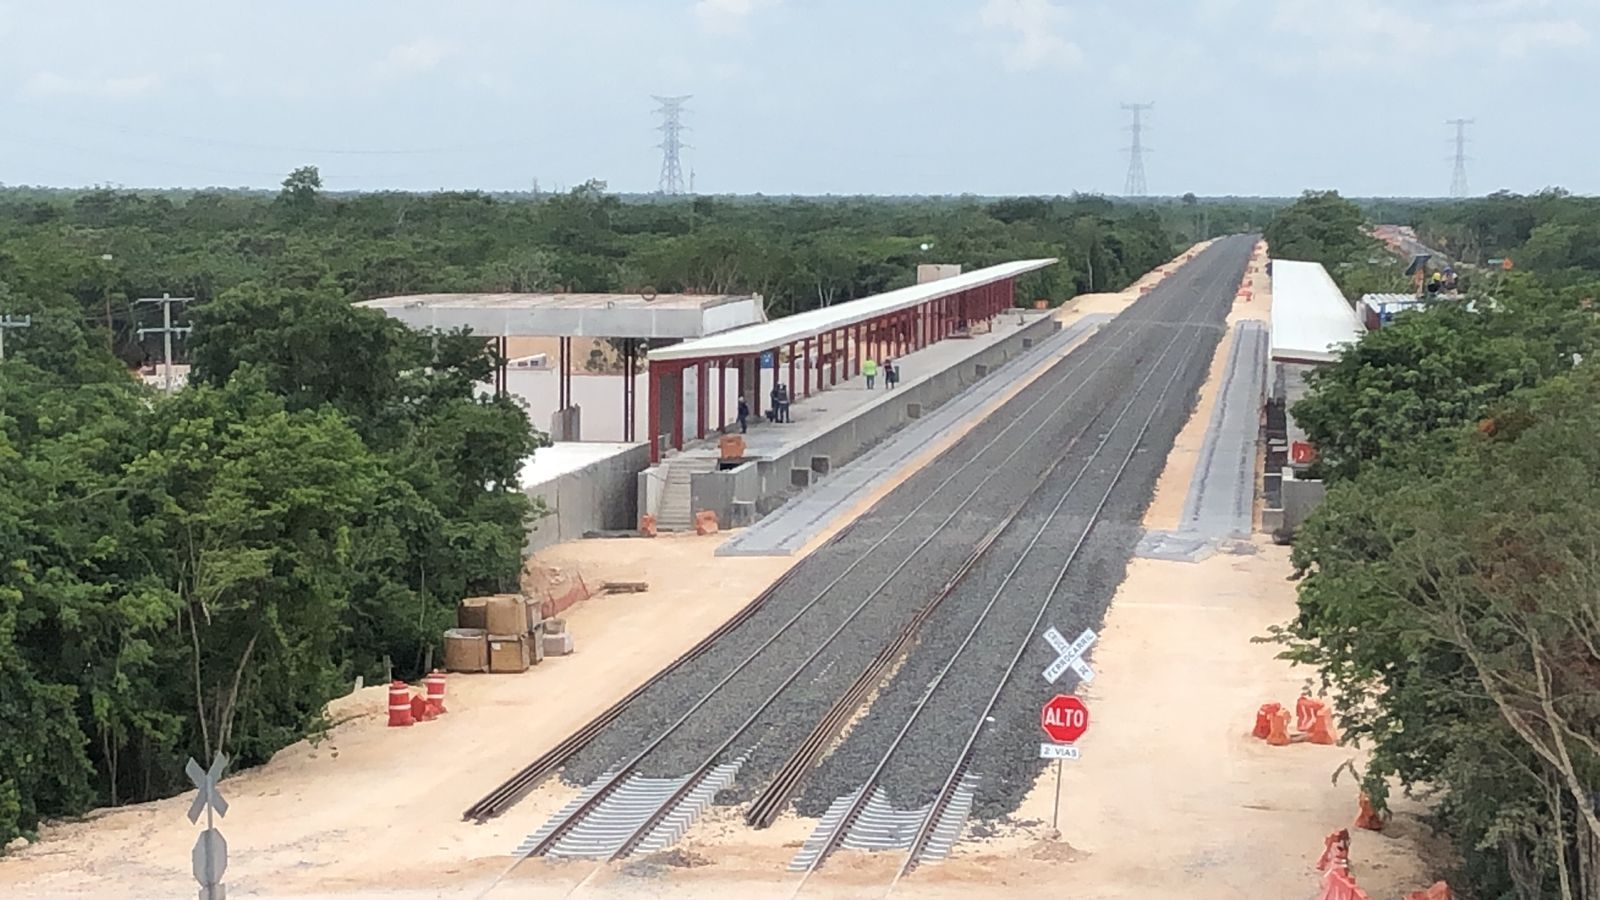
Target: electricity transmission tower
[1458,182]
[1135,186]
[11,322]
[167,330]
[671,143]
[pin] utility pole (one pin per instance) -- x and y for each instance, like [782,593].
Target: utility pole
[1136,186]
[167,329]
[671,143]
[11,322]
[1458,182]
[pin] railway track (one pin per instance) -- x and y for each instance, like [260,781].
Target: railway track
[1062,388]
[606,823]
[628,810]
[865,818]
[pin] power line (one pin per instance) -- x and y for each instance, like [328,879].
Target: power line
[671,143]
[1458,182]
[1136,186]
[167,330]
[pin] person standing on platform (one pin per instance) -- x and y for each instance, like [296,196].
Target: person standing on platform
[891,375]
[744,416]
[783,403]
[869,368]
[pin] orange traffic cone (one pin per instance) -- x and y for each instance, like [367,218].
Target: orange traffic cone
[1368,817]
[1439,891]
[1278,735]
[420,711]
[1321,731]
[1335,851]
[1338,885]
[1305,712]
[1264,719]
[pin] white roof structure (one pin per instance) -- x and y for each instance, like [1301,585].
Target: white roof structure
[576,315]
[777,333]
[1311,320]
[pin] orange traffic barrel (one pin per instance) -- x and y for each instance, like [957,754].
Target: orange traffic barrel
[399,704]
[435,684]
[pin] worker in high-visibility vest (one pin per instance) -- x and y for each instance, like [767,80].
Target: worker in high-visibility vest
[870,369]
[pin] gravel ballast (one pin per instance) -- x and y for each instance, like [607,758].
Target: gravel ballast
[1090,386]
[1005,757]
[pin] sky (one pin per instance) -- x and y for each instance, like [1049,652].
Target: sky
[987,97]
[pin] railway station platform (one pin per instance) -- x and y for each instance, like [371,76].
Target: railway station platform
[830,428]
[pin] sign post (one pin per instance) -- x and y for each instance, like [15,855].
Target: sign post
[1064,719]
[210,854]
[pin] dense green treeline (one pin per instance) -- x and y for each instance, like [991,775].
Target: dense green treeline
[1451,591]
[205,571]
[799,254]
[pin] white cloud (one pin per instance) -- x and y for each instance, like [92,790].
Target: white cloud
[1357,34]
[1034,31]
[113,87]
[728,16]
[422,55]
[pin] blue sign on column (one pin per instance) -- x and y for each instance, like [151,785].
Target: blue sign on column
[768,360]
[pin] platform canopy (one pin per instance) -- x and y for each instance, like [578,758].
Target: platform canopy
[814,323]
[1311,319]
[577,315]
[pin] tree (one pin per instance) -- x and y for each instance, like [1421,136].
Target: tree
[300,189]
[1464,605]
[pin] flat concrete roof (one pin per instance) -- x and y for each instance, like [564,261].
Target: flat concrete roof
[565,457]
[810,324]
[1311,320]
[576,315]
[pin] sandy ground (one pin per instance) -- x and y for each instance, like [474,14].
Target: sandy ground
[1171,798]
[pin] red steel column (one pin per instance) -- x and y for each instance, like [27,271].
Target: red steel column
[653,409]
[722,395]
[677,411]
[791,370]
[805,349]
[701,390]
[744,386]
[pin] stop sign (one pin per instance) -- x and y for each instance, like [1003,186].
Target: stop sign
[1064,718]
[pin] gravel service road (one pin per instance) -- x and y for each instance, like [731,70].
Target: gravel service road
[1056,517]
[863,586]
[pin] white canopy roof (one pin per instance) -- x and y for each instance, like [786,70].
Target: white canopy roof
[1310,317]
[779,332]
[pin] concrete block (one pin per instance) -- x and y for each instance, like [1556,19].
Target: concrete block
[913,410]
[566,424]
[558,644]
[554,625]
[1027,343]
[744,514]
[980,370]
[799,477]
[821,465]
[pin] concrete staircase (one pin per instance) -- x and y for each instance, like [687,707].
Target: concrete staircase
[677,508]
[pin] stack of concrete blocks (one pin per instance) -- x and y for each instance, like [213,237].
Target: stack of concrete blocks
[556,640]
[501,633]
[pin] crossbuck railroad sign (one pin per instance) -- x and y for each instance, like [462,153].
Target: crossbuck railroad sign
[210,853]
[1071,655]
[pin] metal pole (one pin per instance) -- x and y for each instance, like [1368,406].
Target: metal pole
[1055,814]
[166,334]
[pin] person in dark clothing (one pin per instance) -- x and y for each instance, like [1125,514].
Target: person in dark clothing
[781,397]
[891,375]
[744,415]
